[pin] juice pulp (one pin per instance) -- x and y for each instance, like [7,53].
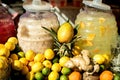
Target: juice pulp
[98,31]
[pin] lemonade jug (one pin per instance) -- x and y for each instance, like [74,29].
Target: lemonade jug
[7,26]
[97,27]
[31,35]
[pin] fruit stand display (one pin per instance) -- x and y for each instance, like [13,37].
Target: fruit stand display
[63,61]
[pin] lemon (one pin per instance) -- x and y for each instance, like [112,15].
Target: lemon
[1,64]
[56,67]
[4,52]
[107,58]
[30,64]
[13,40]
[17,65]
[65,33]
[25,70]
[14,56]
[47,63]
[4,62]
[30,76]
[24,61]
[98,58]
[39,57]
[2,45]
[63,60]
[53,75]
[39,76]
[29,55]
[49,54]
[10,46]
[38,66]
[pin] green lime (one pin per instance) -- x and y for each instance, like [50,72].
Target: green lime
[63,77]
[116,77]
[39,76]
[65,70]
[55,60]
[21,54]
[45,71]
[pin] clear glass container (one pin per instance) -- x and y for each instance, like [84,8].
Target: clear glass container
[98,30]
[7,26]
[31,35]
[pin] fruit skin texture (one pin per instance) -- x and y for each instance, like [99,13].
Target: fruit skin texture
[106,75]
[65,33]
[75,76]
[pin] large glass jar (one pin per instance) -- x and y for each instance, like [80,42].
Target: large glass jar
[31,35]
[7,26]
[98,30]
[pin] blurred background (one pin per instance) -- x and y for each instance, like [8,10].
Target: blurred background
[69,7]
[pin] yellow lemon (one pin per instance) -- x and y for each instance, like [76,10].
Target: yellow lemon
[53,75]
[1,64]
[39,57]
[63,60]
[29,55]
[13,40]
[49,54]
[30,76]
[10,46]
[47,63]
[2,45]
[24,61]
[38,66]
[30,64]
[4,62]
[4,52]
[56,67]
[14,56]
[17,65]
[65,32]
[98,58]
[25,70]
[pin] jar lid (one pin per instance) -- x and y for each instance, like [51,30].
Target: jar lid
[36,6]
[97,4]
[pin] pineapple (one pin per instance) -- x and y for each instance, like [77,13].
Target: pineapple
[115,62]
[65,48]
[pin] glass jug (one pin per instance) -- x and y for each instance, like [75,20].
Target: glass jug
[31,35]
[97,27]
[7,26]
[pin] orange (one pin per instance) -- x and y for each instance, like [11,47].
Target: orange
[106,75]
[75,76]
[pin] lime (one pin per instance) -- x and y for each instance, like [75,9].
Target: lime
[21,54]
[56,67]
[116,77]
[39,76]
[45,71]
[63,77]
[49,54]
[53,75]
[65,70]
[55,60]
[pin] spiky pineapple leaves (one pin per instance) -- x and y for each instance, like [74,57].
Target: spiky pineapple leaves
[63,49]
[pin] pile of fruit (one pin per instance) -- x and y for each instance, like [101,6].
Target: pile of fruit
[65,61]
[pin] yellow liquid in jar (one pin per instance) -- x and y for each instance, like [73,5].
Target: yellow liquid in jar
[98,32]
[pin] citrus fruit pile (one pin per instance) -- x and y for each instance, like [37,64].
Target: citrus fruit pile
[50,65]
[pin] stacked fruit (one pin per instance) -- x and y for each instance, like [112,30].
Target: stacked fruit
[65,61]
